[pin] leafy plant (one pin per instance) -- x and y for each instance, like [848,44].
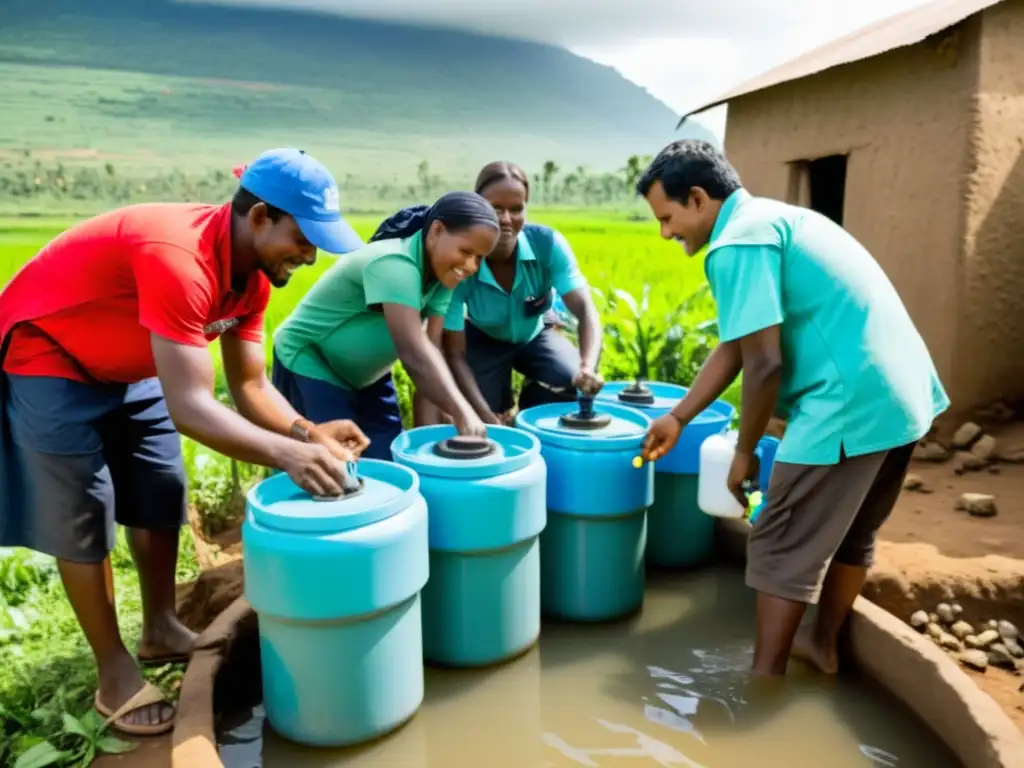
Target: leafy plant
[643,344]
[88,738]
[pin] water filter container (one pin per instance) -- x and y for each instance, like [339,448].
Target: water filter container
[713,496]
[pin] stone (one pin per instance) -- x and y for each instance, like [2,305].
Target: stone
[958,610]
[919,620]
[961,630]
[933,618]
[975,659]
[1012,455]
[985,448]
[986,638]
[963,461]
[1014,648]
[999,656]
[914,482]
[1007,631]
[998,412]
[931,451]
[935,631]
[966,436]
[977,504]
[950,643]
[945,613]
[992,624]
[971,641]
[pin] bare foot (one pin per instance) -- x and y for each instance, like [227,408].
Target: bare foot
[807,648]
[166,636]
[120,679]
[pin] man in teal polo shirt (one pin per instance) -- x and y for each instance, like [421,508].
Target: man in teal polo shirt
[825,342]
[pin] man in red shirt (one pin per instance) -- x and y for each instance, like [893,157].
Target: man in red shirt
[104,359]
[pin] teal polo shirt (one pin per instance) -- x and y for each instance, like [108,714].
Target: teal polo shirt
[856,373]
[544,261]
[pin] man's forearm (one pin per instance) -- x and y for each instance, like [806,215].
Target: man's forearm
[718,372]
[263,405]
[761,382]
[198,415]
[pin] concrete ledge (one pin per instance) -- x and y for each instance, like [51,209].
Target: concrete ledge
[913,668]
[933,687]
[194,744]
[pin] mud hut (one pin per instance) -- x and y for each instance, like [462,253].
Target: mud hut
[909,133]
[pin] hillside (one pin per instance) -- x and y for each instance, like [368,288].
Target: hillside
[198,86]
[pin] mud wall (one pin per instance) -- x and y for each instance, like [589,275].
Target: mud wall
[903,118]
[991,308]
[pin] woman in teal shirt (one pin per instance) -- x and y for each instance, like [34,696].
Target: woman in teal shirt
[499,319]
[334,353]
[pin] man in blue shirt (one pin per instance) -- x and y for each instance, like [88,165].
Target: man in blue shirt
[825,342]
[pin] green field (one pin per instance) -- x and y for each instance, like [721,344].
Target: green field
[613,251]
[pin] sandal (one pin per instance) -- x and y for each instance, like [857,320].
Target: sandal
[147,696]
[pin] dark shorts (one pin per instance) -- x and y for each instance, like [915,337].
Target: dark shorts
[817,514]
[549,363]
[79,458]
[374,409]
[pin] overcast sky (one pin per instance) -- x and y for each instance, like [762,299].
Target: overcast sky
[684,52]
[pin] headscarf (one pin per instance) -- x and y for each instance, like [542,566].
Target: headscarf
[454,209]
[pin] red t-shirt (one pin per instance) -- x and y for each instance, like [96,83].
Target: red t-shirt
[103,286]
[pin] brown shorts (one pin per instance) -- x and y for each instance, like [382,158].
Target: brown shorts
[815,514]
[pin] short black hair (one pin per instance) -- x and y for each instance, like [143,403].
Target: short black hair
[686,164]
[244,200]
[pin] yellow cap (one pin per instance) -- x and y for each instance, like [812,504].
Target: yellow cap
[638,462]
[755,498]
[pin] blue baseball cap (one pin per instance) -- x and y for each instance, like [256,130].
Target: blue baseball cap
[303,188]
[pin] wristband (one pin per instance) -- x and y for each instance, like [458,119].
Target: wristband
[300,430]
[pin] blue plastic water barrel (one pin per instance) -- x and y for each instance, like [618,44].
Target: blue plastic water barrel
[486,507]
[336,586]
[592,550]
[679,534]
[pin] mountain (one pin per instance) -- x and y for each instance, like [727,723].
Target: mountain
[160,84]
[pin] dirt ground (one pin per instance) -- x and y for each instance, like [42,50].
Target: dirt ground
[928,515]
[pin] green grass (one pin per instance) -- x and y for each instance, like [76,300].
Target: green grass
[48,674]
[48,678]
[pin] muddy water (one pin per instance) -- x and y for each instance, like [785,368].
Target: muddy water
[667,688]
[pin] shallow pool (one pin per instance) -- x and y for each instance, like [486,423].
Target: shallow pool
[667,688]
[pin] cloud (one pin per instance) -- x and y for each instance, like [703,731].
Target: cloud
[683,52]
[608,22]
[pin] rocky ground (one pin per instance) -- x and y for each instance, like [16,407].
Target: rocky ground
[964,496]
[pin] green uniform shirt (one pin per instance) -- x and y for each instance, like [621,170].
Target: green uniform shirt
[544,260]
[856,373]
[335,335]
